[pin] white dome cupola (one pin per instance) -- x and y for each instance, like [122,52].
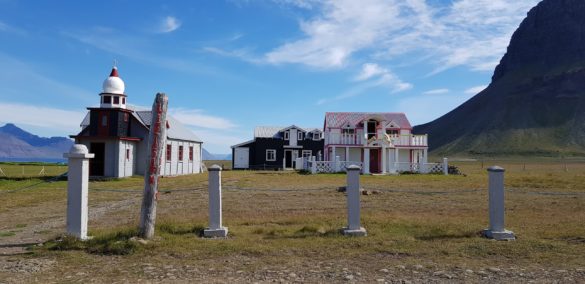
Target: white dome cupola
[112,95]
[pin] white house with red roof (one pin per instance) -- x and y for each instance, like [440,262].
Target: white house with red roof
[381,141]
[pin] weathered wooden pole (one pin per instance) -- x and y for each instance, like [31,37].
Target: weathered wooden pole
[156,142]
[77,185]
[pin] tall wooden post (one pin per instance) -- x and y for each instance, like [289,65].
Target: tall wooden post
[156,142]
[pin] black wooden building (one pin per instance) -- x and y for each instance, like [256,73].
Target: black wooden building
[277,147]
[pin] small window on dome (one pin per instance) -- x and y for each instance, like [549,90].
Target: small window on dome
[116,100]
[107,99]
[123,101]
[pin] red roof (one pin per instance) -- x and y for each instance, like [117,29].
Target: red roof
[114,72]
[341,119]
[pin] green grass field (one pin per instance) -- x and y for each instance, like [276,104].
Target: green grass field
[284,221]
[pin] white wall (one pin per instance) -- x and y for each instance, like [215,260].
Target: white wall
[183,166]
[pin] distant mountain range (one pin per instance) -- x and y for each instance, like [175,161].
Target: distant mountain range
[535,104]
[20,145]
[217,157]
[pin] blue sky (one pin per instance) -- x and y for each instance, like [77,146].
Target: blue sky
[230,65]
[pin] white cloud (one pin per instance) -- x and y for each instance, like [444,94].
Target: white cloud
[169,24]
[10,29]
[57,121]
[370,70]
[472,33]
[422,109]
[436,92]
[22,81]
[196,117]
[372,75]
[475,90]
[218,142]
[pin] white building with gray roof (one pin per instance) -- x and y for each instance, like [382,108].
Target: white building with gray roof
[118,136]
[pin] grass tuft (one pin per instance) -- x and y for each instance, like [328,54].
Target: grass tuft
[115,243]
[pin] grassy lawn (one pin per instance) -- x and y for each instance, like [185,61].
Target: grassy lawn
[289,221]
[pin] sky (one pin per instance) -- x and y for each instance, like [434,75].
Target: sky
[230,65]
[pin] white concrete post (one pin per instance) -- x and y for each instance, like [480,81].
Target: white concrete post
[384,160]
[424,167]
[313,165]
[337,165]
[215,229]
[353,203]
[333,154]
[77,184]
[445,166]
[367,161]
[497,230]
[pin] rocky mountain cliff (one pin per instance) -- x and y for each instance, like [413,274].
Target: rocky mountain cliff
[17,143]
[535,104]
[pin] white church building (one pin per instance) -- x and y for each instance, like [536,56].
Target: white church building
[118,136]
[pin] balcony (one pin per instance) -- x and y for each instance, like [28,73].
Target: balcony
[395,140]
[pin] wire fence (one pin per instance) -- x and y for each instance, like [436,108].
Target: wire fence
[536,165]
[31,170]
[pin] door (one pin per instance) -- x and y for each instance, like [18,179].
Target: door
[242,158]
[288,155]
[374,160]
[96,165]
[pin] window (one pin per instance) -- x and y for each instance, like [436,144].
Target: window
[307,153]
[116,100]
[286,135]
[126,117]
[316,136]
[107,99]
[180,153]
[270,155]
[123,101]
[348,131]
[392,132]
[169,151]
[105,120]
[190,153]
[300,136]
[127,154]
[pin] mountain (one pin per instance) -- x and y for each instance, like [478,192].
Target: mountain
[535,104]
[19,144]
[218,157]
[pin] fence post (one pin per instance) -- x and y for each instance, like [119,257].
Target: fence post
[497,229]
[353,203]
[445,166]
[215,228]
[313,165]
[337,165]
[77,184]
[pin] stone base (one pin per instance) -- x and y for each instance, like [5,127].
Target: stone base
[499,236]
[361,232]
[215,233]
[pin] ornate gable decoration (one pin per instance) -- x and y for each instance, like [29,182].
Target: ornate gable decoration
[391,124]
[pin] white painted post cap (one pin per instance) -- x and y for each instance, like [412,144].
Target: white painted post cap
[353,168]
[496,169]
[78,151]
[214,168]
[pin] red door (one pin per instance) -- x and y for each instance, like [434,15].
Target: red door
[374,160]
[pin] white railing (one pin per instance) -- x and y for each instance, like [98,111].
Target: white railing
[423,168]
[408,140]
[360,139]
[345,139]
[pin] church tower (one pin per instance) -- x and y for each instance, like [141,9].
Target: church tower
[112,95]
